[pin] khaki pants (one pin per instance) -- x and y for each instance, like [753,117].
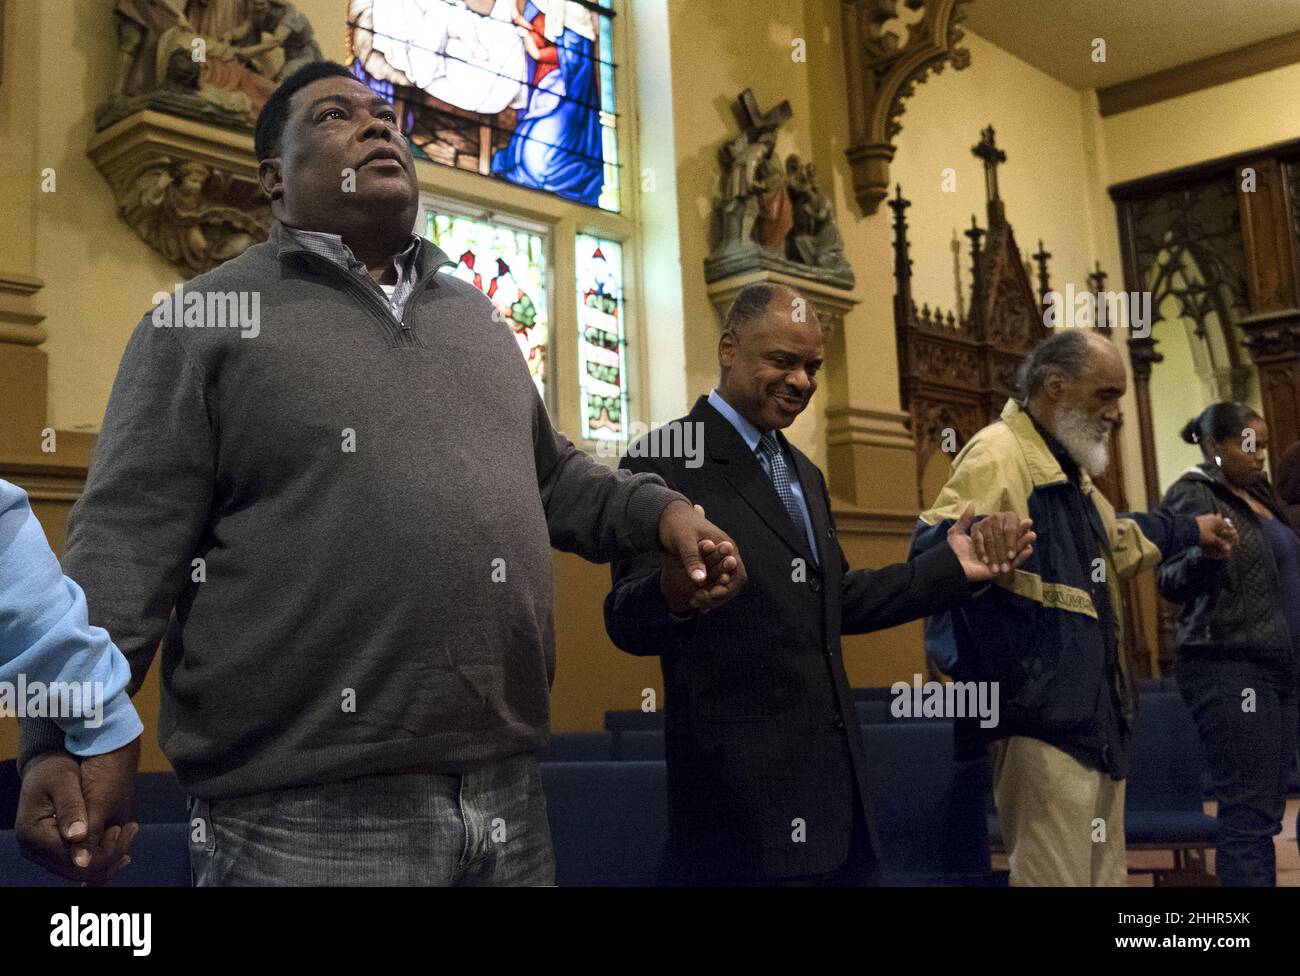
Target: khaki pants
[1062,822]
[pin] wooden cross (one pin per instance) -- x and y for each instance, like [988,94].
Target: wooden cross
[757,122]
[987,150]
[1097,278]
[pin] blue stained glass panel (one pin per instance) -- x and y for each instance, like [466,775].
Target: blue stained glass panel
[523,90]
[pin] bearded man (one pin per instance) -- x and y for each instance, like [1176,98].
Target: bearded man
[1049,635]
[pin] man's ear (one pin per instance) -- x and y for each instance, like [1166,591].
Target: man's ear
[727,349]
[1054,386]
[268,177]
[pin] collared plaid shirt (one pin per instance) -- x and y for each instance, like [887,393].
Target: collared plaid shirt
[331,248]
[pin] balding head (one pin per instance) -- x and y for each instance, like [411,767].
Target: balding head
[769,354]
[755,301]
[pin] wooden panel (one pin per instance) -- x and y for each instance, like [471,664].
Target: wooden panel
[1266,236]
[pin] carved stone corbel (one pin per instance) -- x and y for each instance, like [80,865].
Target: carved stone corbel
[188,189]
[882,72]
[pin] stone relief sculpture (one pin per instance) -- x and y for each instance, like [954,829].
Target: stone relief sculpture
[289,31]
[816,239]
[190,197]
[772,215]
[238,50]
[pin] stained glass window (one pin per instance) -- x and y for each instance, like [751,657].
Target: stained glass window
[522,90]
[508,264]
[602,349]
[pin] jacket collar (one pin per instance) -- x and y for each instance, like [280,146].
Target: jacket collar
[429,258]
[1205,471]
[1265,494]
[1044,469]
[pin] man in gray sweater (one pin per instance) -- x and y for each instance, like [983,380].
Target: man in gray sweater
[335,509]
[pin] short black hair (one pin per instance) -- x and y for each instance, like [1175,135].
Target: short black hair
[752,302]
[1065,352]
[275,113]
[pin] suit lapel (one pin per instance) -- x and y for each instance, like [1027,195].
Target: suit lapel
[743,471]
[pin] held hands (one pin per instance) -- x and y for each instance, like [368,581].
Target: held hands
[702,568]
[73,817]
[993,548]
[1217,536]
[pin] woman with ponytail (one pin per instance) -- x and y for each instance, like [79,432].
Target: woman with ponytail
[1238,637]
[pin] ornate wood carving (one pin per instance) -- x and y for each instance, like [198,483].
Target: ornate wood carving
[883,70]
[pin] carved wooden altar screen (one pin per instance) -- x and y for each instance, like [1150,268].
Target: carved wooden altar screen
[957,371]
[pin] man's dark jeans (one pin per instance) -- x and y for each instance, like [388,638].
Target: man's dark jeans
[485,827]
[1249,743]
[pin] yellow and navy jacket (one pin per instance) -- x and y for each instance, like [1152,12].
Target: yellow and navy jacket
[1051,637]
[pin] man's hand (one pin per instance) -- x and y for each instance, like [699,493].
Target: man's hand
[73,817]
[702,568]
[993,548]
[1217,536]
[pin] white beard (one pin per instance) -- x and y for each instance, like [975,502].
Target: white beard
[1087,442]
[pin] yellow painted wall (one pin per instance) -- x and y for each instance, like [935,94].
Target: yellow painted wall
[711,63]
[1177,395]
[98,275]
[1242,115]
[18,146]
[1040,124]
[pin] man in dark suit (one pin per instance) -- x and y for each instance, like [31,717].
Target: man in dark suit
[765,757]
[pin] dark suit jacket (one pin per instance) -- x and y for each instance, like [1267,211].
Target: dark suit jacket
[762,732]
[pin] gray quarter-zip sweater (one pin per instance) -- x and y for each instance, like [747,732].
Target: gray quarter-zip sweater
[339,526]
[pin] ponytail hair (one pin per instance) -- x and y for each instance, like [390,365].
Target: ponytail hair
[1217,422]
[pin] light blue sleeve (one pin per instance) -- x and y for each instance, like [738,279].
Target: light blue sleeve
[51,658]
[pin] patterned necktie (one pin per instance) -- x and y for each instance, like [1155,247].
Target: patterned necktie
[779,471]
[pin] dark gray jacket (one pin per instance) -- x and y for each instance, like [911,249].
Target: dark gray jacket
[1229,608]
[342,525]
